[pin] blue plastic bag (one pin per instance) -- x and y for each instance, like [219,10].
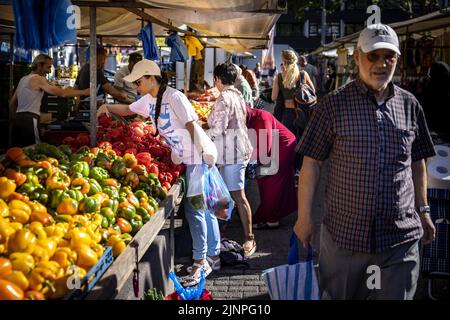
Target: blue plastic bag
[218,198]
[190,293]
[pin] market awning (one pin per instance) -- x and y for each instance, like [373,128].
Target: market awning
[435,23]
[236,26]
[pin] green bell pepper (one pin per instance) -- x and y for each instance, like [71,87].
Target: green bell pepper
[105,222]
[145,187]
[127,211]
[108,214]
[85,150]
[95,187]
[65,149]
[74,158]
[99,174]
[75,194]
[89,205]
[56,196]
[140,194]
[81,167]
[144,214]
[119,169]
[112,192]
[136,225]
[112,204]
[40,195]
[28,188]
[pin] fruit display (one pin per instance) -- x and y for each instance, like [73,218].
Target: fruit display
[202,109]
[59,209]
[136,138]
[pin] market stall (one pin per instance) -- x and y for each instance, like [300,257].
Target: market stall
[114,196]
[423,40]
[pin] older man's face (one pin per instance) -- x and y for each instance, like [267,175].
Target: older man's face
[376,68]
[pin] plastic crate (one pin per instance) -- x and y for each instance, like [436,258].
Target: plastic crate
[97,271]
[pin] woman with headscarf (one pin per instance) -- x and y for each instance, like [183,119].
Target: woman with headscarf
[277,192]
[437,99]
[284,87]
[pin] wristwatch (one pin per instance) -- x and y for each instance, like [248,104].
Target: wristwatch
[424,209]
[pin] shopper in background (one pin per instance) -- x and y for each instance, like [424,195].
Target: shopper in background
[250,76]
[120,84]
[277,192]
[243,86]
[309,68]
[174,118]
[228,130]
[284,88]
[376,138]
[437,99]
[331,77]
[26,101]
[83,80]
[257,71]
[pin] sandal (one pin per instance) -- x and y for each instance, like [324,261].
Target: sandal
[248,253]
[214,264]
[194,279]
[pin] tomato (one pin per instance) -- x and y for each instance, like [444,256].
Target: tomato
[105,145]
[138,132]
[149,130]
[119,146]
[166,185]
[131,151]
[83,139]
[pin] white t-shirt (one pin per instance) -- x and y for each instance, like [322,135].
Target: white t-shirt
[176,111]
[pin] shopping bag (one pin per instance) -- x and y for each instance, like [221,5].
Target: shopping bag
[295,280]
[196,186]
[191,293]
[218,198]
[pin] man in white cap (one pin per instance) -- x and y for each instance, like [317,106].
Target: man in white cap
[376,139]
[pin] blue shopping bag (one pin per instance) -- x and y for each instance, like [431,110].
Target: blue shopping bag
[295,280]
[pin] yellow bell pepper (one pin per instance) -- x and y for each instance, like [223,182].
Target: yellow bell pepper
[19,279]
[2,249]
[16,225]
[55,230]
[6,230]
[7,187]
[23,262]
[98,249]
[20,211]
[117,244]
[22,241]
[45,249]
[42,279]
[38,229]
[4,209]
[87,257]
[64,243]
[79,237]
[65,257]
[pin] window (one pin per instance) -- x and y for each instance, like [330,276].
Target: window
[334,29]
[313,29]
[284,29]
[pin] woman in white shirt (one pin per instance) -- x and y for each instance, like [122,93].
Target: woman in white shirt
[175,120]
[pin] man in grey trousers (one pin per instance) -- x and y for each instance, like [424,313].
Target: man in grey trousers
[376,139]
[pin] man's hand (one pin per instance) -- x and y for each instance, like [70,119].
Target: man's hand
[429,231]
[304,229]
[86,92]
[103,110]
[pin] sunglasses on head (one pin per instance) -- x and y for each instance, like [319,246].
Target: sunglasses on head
[374,57]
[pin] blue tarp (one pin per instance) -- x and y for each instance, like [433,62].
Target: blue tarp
[43,24]
[148,42]
[178,50]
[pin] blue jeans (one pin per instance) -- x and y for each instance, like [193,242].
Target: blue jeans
[203,226]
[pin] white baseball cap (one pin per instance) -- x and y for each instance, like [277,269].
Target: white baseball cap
[378,36]
[143,68]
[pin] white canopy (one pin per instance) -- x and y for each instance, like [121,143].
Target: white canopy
[240,25]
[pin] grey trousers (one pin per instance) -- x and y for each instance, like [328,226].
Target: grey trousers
[349,275]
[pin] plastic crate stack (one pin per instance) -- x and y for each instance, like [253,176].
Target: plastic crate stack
[436,256]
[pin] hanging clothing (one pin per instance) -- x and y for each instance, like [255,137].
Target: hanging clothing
[178,50]
[43,24]
[148,42]
[277,192]
[194,47]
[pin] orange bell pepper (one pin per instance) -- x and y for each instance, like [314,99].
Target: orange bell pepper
[10,291]
[18,177]
[5,267]
[67,206]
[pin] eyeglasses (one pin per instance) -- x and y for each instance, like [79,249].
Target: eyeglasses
[388,58]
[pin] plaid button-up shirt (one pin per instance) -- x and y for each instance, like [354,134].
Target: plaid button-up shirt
[370,190]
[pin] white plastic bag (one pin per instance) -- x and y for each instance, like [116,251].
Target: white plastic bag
[195,194]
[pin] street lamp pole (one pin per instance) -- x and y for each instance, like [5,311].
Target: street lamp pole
[324,22]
